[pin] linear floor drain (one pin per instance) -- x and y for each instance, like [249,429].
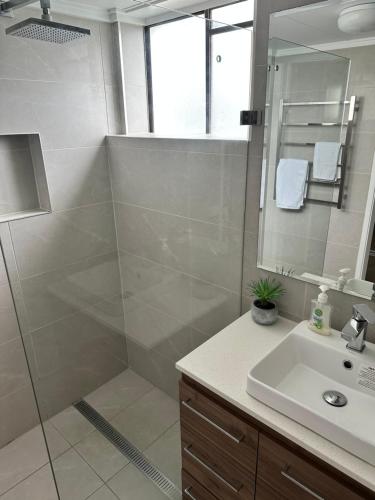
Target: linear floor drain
[128,450]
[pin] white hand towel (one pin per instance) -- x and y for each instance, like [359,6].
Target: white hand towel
[326,158]
[291,183]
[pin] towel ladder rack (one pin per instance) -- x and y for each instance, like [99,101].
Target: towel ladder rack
[353,104]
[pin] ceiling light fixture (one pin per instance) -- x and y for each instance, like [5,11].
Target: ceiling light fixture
[358,19]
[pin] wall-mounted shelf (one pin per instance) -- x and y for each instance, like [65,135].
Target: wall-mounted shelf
[23,182]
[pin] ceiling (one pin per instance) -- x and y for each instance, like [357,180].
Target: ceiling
[316,25]
[131,11]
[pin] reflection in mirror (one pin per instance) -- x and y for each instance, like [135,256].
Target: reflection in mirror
[318,184]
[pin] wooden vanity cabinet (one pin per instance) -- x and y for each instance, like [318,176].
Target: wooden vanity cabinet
[227,455]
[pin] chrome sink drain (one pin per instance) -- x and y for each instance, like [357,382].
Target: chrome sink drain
[335,398]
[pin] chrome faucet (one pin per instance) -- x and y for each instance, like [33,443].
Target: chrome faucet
[355,329]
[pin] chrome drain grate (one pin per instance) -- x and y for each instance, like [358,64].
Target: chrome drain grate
[132,453]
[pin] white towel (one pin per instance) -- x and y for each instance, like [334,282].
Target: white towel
[291,183]
[326,158]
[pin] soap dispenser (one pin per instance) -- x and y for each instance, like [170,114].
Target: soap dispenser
[320,320]
[343,278]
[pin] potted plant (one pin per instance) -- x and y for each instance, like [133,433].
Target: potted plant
[264,308]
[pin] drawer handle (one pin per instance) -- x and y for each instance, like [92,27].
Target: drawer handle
[187,450]
[187,405]
[188,493]
[300,485]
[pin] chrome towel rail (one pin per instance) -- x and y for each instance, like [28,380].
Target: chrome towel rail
[353,103]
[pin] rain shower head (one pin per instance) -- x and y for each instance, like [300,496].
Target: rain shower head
[45,29]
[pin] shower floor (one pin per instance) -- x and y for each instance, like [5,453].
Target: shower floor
[86,464]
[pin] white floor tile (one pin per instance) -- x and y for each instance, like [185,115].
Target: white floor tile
[38,486]
[117,394]
[57,445]
[103,493]
[75,479]
[72,425]
[165,454]
[22,457]
[144,421]
[131,484]
[101,455]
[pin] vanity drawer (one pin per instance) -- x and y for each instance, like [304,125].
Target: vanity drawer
[192,490]
[219,425]
[294,478]
[222,476]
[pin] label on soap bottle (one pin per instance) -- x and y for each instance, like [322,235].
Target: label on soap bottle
[317,318]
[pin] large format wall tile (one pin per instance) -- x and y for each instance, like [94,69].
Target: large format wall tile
[3,274]
[217,188]
[86,182]
[18,414]
[55,240]
[66,115]
[55,294]
[153,330]
[196,145]
[207,251]
[208,187]
[8,320]
[180,241]
[17,188]
[25,59]
[14,374]
[168,188]
[75,341]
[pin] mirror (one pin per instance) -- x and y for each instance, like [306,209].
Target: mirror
[318,173]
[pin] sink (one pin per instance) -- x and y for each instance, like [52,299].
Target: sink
[293,377]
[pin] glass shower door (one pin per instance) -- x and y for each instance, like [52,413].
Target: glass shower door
[140,261]
[24,459]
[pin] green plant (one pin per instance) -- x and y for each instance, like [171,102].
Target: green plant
[266,290]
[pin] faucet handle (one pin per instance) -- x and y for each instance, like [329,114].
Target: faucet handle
[362,312]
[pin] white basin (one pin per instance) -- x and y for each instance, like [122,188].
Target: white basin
[294,375]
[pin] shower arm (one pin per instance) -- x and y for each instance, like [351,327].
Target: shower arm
[15,4]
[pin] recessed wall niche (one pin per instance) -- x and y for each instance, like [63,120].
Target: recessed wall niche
[23,182]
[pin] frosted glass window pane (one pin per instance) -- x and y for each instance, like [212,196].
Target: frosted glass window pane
[178,77]
[233,14]
[230,90]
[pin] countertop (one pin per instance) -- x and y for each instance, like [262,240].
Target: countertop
[221,365]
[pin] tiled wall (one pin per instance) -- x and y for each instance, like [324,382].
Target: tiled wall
[17,403]
[297,239]
[67,262]
[18,189]
[342,245]
[297,301]
[179,208]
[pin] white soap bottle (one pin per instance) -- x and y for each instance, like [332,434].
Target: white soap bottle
[343,278]
[320,320]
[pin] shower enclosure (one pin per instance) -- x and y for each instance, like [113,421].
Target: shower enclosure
[137,258]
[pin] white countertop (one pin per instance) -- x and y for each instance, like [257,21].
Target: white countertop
[222,363]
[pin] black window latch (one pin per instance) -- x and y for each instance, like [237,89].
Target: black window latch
[250,117]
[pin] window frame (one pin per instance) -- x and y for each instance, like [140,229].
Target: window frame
[209,33]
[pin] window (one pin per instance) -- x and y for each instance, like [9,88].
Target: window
[198,72]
